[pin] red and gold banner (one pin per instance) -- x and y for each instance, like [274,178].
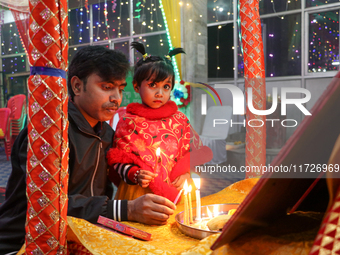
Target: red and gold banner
[47,157]
[254,74]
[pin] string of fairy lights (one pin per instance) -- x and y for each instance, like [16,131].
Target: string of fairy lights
[324,42]
[111,20]
[12,44]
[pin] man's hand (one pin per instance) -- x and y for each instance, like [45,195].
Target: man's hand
[150,209]
[179,181]
[145,177]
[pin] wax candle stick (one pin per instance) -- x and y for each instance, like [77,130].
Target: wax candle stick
[158,153]
[178,196]
[197,181]
[186,205]
[191,220]
[186,220]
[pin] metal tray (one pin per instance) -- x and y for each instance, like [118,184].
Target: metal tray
[201,233]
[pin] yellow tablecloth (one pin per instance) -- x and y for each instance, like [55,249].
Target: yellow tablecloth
[290,235]
[167,239]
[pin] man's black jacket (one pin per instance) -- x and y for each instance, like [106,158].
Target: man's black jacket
[89,190]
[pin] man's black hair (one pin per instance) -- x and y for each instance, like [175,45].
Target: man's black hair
[106,63]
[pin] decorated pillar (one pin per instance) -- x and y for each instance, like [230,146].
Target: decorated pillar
[254,74]
[47,157]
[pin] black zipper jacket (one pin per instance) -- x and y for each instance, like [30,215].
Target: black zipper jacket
[89,189]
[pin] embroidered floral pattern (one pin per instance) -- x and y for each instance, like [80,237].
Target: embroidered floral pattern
[142,136]
[140,144]
[171,145]
[154,129]
[123,127]
[139,119]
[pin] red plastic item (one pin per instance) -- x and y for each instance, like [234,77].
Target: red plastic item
[17,104]
[4,125]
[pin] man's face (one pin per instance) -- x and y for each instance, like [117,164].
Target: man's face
[100,100]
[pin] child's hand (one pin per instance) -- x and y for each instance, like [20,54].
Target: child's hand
[179,181]
[145,177]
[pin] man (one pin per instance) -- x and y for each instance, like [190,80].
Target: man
[96,80]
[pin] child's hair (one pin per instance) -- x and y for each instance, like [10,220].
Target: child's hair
[106,63]
[149,65]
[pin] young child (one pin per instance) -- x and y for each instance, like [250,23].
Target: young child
[154,124]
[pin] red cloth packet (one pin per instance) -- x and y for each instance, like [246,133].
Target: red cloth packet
[120,227]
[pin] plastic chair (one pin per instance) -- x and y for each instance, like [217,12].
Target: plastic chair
[215,136]
[5,135]
[17,104]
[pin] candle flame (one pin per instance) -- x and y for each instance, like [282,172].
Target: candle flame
[190,188]
[197,180]
[210,215]
[185,187]
[158,152]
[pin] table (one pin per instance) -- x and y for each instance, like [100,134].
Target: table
[166,239]
[292,235]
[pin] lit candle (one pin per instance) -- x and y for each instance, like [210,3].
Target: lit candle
[190,205]
[186,209]
[197,181]
[178,196]
[158,153]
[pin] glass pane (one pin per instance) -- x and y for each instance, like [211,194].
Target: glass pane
[123,47]
[220,10]
[17,85]
[240,65]
[147,17]
[155,45]
[282,45]
[220,51]
[323,54]
[79,28]
[11,42]
[110,20]
[310,3]
[270,6]
[14,64]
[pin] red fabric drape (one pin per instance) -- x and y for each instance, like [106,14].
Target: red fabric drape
[328,239]
[254,74]
[22,20]
[47,157]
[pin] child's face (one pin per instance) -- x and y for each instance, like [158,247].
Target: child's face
[154,94]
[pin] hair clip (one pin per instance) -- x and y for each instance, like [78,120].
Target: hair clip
[167,57]
[145,56]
